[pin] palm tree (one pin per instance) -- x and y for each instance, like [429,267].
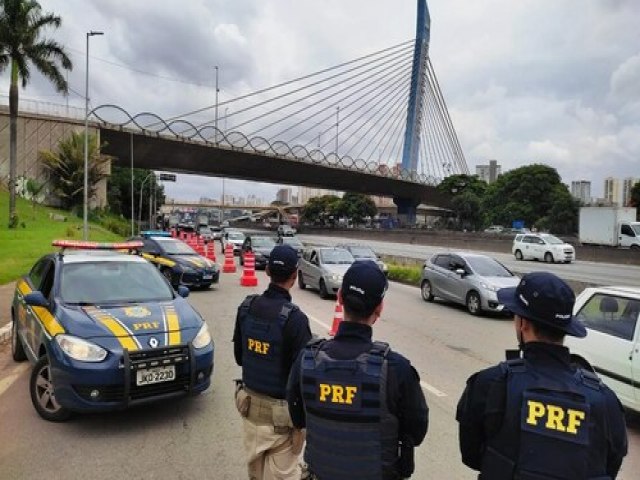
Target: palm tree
[66,168]
[22,23]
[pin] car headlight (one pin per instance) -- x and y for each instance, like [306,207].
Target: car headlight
[79,349]
[336,277]
[203,338]
[491,288]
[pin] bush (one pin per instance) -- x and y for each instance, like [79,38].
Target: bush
[410,275]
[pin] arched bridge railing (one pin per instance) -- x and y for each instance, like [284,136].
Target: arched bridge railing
[151,124]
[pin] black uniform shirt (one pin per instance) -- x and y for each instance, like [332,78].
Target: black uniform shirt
[472,407]
[405,397]
[296,333]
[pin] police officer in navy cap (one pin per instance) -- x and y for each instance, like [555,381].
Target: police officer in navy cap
[539,417]
[269,334]
[361,403]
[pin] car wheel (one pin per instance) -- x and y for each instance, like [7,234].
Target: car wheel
[17,350]
[474,305]
[635,248]
[519,255]
[425,290]
[42,393]
[548,257]
[301,283]
[323,290]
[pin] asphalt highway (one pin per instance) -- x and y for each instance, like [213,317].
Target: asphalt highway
[581,271]
[201,437]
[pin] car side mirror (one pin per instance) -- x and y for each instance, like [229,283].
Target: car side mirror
[461,271]
[183,291]
[36,299]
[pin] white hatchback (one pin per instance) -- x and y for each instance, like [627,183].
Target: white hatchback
[542,246]
[612,346]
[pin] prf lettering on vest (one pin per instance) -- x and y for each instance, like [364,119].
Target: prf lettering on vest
[258,346]
[554,417]
[337,393]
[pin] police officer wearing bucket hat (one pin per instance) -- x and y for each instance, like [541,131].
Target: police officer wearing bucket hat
[539,417]
[270,332]
[361,403]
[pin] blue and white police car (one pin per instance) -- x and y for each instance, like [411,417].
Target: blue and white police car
[104,330]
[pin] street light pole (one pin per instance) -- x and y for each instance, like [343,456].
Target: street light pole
[216,109]
[337,127]
[85,210]
[140,203]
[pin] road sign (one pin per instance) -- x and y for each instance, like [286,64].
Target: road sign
[167,177]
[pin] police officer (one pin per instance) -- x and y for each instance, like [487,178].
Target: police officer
[269,334]
[538,417]
[361,403]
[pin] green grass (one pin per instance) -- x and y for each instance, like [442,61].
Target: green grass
[409,274]
[21,247]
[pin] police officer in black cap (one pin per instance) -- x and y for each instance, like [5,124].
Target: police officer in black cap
[269,334]
[361,403]
[538,417]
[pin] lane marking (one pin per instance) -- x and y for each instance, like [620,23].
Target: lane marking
[6,382]
[425,386]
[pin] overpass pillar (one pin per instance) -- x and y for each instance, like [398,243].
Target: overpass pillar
[407,208]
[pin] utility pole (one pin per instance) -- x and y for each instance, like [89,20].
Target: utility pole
[216,109]
[133,192]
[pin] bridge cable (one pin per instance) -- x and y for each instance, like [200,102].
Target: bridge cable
[389,123]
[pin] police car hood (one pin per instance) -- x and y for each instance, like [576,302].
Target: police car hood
[170,323]
[193,261]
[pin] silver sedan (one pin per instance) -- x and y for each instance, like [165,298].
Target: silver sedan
[323,268]
[467,279]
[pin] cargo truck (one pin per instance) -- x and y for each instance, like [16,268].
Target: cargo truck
[612,226]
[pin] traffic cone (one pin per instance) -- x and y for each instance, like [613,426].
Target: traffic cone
[229,262]
[210,251]
[338,316]
[249,278]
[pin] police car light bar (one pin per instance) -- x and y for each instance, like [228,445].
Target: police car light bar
[154,233]
[81,245]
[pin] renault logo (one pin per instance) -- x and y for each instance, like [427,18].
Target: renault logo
[153,343]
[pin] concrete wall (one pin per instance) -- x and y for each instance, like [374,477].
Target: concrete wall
[36,133]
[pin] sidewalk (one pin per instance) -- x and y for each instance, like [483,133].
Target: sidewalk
[6,297]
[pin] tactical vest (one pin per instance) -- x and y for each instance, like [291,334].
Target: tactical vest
[350,431]
[263,368]
[553,425]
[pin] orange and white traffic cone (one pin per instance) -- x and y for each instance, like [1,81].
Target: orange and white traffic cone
[338,316]
[210,251]
[229,262]
[249,278]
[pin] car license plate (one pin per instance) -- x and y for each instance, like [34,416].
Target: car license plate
[207,277]
[149,376]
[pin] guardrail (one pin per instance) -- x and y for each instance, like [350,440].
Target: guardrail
[39,107]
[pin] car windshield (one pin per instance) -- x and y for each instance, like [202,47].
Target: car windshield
[552,240]
[336,256]
[636,229]
[362,252]
[100,283]
[235,236]
[488,267]
[262,242]
[175,247]
[204,230]
[293,241]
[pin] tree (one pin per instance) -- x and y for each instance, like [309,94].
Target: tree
[457,184]
[564,212]
[66,168]
[635,196]
[467,206]
[21,28]
[319,209]
[526,193]
[119,191]
[356,206]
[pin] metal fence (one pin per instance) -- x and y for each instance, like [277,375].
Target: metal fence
[28,105]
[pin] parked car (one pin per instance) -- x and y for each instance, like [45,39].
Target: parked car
[363,252]
[261,246]
[293,242]
[286,230]
[468,279]
[104,330]
[542,246]
[494,229]
[233,238]
[322,268]
[178,262]
[613,341]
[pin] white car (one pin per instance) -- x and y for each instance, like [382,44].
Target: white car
[235,239]
[542,246]
[612,345]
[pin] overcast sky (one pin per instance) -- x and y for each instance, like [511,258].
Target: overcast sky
[549,81]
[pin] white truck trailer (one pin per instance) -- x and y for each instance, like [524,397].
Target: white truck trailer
[612,226]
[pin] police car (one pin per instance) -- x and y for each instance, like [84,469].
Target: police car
[104,330]
[177,261]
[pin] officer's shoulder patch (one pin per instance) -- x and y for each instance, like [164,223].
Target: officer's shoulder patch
[556,417]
